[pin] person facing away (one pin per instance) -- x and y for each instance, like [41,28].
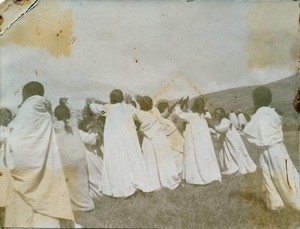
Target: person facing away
[73,157]
[200,165]
[234,119]
[233,154]
[242,120]
[5,119]
[156,148]
[280,178]
[124,170]
[38,196]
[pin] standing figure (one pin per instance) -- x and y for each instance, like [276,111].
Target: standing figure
[234,156]
[39,195]
[156,148]
[124,169]
[234,119]
[242,120]
[280,177]
[73,157]
[5,119]
[200,165]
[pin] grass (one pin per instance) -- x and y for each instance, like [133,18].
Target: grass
[234,203]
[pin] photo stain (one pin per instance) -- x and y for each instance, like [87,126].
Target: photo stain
[47,27]
[273,38]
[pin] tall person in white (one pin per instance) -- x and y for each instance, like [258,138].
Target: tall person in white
[200,165]
[124,169]
[280,177]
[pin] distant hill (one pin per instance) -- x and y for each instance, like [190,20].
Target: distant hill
[283,92]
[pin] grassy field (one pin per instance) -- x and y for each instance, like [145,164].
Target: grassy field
[234,203]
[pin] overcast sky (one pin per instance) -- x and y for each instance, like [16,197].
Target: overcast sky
[140,46]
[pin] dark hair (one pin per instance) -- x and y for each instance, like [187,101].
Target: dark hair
[147,103]
[62,113]
[162,106]
[198,106]
[116,96]
[221,111]
[34,88]
[133,103]
[8,112]
[262,97]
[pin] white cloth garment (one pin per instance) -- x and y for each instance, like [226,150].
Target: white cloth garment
[242,120]
[234,120]
[4,172]
[157,152]
[233,154]
[94,163]
[37,176]
[73,156]
[280,177]
[124,169]
[200,162]
[208,115]
[174,137]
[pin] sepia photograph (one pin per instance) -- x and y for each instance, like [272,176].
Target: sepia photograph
[149,114]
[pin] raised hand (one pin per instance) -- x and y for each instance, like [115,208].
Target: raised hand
[63,100]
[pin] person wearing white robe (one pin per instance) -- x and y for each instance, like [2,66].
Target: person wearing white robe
[73,157]
[38,196]
[156,148]
[280,177]
[124,170]
[5,118]
[200,165]
[242,120]
[175,139]
[207,114]
[94,164]
[234,119]
[233,154]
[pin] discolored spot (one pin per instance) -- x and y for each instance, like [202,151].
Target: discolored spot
[273,38]
[41,27]
[1,20]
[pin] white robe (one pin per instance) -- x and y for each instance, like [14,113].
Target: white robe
[233,154]
[124,169]
[4,177]
[94,163]
[280,177]
[175,139]
[157,152]
[242,120]
[234,120]
[73,156]
[39,195]
[200,162]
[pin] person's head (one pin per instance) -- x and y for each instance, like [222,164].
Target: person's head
[205,109]
[198,105]
[116,96]
[32,88]
[147,103]
[5,116]
[219,113]
[62,113]
[232,111]
[262,97]
[239,111]
[162,106]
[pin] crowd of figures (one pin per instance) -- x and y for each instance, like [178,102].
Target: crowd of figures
[55,162]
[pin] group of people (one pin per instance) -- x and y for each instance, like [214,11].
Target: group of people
[55,162]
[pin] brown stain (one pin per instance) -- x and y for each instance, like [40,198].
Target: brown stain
[47,27]
[273,38]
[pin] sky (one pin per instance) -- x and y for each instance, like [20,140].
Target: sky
[81,49]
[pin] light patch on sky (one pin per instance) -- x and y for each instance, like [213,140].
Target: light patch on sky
[140,46]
